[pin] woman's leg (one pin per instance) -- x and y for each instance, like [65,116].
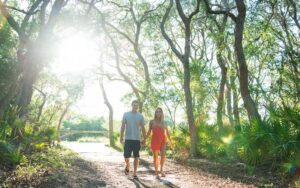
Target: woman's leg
[155,161]
[162,160]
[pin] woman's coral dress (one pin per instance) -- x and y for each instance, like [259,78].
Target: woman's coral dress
[158,137]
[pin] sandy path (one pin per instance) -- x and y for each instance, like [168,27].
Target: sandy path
[110,164]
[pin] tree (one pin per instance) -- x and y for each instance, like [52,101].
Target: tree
[32,53]
[8,66]
[239,21]
[184,58]
[111,113]
[220,43]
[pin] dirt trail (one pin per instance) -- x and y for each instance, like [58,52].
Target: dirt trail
[110,164]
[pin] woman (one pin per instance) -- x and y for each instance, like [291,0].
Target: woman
[159,130]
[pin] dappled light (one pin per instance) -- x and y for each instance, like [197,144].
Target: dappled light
[2,22]
[228,139]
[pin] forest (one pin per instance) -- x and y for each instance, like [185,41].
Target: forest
[226,73]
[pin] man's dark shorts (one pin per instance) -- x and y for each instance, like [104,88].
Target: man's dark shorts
[132,146]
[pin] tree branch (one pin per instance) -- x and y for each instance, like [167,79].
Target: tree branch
[118,5]
[12,22]
[195,11]
[295,17]
[43,12]
[165,35]
[56,8]
[32,9]
[226,12]
[180,12]
[109,24]
[124,76]
[22,11]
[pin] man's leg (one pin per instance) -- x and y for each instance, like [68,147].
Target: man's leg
[136,155]
[127,154]
[135,165]
[127,163]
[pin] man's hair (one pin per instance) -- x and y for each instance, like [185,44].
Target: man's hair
[134,101]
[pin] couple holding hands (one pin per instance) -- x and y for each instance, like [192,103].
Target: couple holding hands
[132,124]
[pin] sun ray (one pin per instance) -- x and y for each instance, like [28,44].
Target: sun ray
[76,53]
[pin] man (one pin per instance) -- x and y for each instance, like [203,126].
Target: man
[132,123]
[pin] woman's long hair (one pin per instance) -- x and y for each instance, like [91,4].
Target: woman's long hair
[161,117]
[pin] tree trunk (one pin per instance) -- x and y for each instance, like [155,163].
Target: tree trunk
[229,103]
[189,107]
[236,112]
[172,115]
[243,69]
[40,111]
[220,106]
[61,119]
[41,107]
[26,90]
[22,101]
[111,114]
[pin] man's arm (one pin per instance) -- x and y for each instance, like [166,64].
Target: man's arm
[143,130]
[144,135]
[122,132]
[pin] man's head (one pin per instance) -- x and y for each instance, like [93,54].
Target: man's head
[135,105]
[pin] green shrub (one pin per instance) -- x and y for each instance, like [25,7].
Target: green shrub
[272,142]
[44,138]
[8,122]
[9,154]
[181,140]
[253,143]
[215,142]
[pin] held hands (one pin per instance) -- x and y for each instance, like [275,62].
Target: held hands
[144,142]
[122,141]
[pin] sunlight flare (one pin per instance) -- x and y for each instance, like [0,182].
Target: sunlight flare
[228,139]
[76,53]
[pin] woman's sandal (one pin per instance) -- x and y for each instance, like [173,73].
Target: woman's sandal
[126,171]
[163,174]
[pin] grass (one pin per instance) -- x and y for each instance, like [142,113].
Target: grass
[93,139]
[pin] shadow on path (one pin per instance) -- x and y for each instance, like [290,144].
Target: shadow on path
[162,181]
[139,182]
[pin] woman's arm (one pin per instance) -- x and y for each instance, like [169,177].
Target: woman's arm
[149,130]
[168,136]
